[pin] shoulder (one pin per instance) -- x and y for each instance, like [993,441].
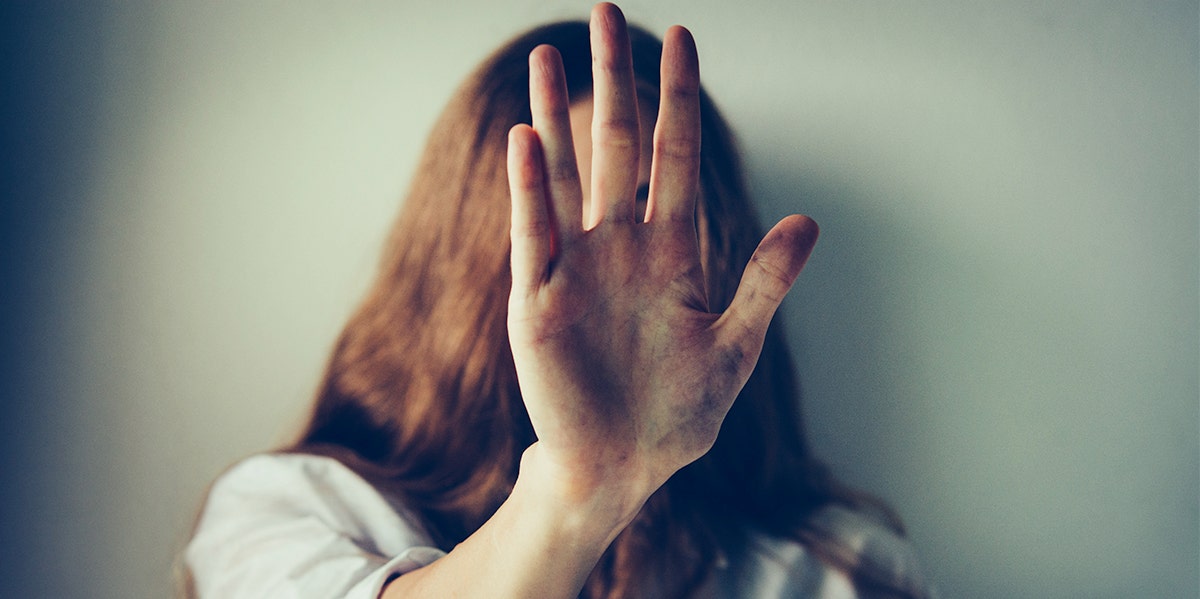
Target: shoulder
[277,521]
[780,566]
[278,487]
[292,477]
[880,547]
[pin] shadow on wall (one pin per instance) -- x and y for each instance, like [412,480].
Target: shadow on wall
[863,387]
[868,395]
[964,386]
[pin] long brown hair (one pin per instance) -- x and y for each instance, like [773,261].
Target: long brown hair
[421,396]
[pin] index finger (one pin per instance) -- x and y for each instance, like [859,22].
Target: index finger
[550,106]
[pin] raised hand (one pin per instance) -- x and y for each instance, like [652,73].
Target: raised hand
[625,373]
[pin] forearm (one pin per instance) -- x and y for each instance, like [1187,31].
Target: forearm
[537,544]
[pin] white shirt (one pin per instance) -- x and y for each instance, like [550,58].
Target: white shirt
[304,526]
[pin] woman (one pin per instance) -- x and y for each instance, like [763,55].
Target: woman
[532,411]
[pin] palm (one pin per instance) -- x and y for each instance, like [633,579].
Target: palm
[621,346]
[624,371]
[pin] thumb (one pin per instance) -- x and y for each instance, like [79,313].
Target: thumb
[772,269]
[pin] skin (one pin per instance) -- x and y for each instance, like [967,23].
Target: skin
[625,373]
[581,131]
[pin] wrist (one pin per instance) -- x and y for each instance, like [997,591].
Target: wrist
[543,541]
[581,501]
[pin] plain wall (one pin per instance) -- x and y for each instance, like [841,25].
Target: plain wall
[998,331]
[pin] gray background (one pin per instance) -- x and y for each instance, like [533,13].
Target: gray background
[998,331]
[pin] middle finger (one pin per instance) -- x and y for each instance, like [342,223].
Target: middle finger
[616,137]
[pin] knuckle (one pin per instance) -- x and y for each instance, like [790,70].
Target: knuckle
[677,148]
[617,131]
[611,65]
[530,228]
[681,92]
[526,176]
[563,171]
[774,281]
